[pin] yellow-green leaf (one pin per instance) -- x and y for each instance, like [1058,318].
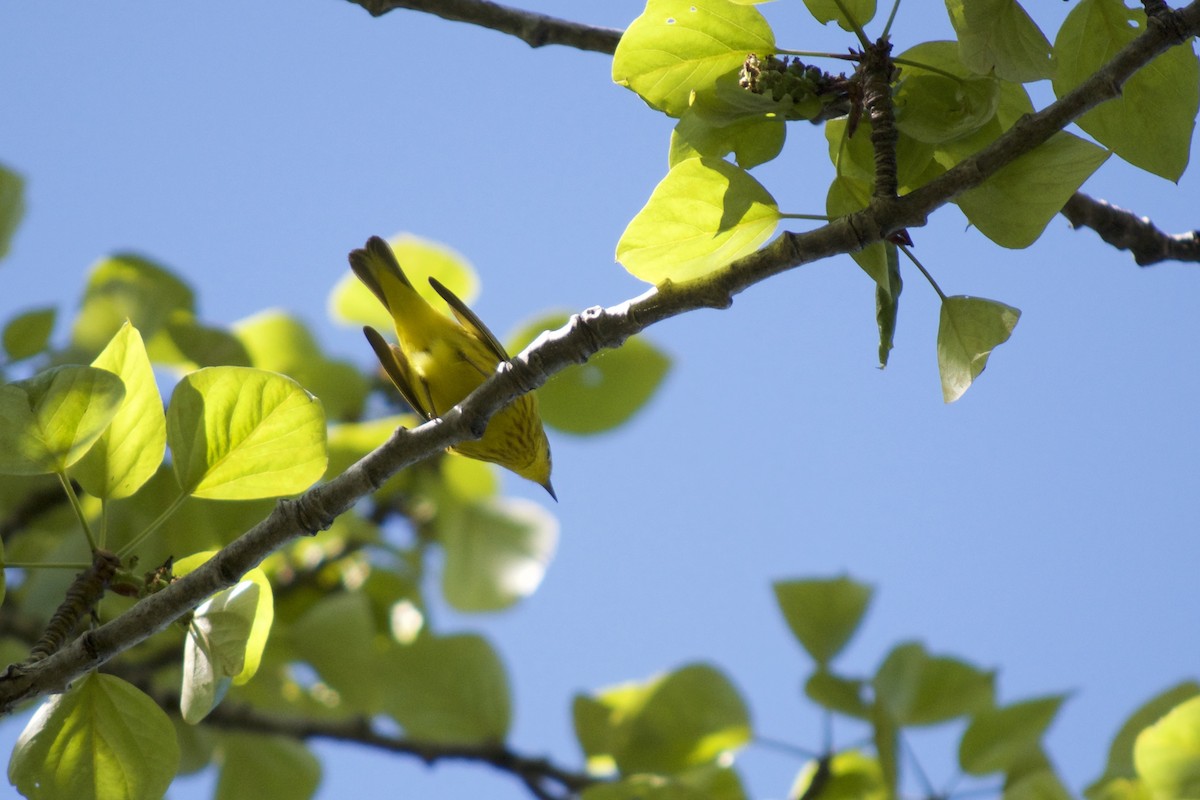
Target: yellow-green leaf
[704,214]
[997,36]
[238,433]
[601,394]
[1150,123]
[753,141]
[679,46]
[916,688]
[129,451]
[1120,754]
[50,420]
[1167,754]
[186,343]
[668,724]
[999,738]
[281,343]
[27,334]
[225,638]
[969,329]
[1015,205]
[103,739]
[850,775]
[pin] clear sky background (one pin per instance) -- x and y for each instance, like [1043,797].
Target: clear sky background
[1044,525]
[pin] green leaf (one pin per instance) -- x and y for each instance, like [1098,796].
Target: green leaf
[934,108]
[823,614]
[703,215]
[351,302]
[837,693]
[129,451]
[103,739]
[1167,753]
[668,724]
[999,738]
[849,775]
[887,303]
[752,141]
[970,327]
[679,46]
[280,343]
[497,552]
[339,638]
[1041,785]
[1015,205]
[885,735]
[468,478]
[12,206]
[28,334]
[1150,123]
[1120,754]
[916,688]
[643,787]
[998,36]
[257,767]
[50,420]
[127,287]
[238,433]
[601,394]
[187,343]
[861,12]
[3,573]
[449,690]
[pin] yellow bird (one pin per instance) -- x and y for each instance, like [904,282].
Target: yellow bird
[439,361]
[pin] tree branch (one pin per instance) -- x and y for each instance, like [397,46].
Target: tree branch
[1125,230]
[544,779]
[536,30]
[583,336]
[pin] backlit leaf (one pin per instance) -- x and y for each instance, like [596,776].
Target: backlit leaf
[1015,205]
[129,451]
[50,420]
[679,46]
[1120,755]
[850,775]
[281,343]
[997,35]
[704,214]
[103,739]
[238,433]
[1167,753]
[127,287]
[1150,123]
[969,329]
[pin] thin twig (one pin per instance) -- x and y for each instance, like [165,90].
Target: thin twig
[1125,230]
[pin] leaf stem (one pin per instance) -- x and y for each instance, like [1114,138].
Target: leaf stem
[818,54]
[785,747]
[813,217]
[154,526]
[77,507]
[891,18]
[924,271]
[929,68]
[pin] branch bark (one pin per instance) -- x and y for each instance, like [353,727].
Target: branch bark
[583,336]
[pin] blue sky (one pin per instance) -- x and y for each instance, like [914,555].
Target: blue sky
[1044,525]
